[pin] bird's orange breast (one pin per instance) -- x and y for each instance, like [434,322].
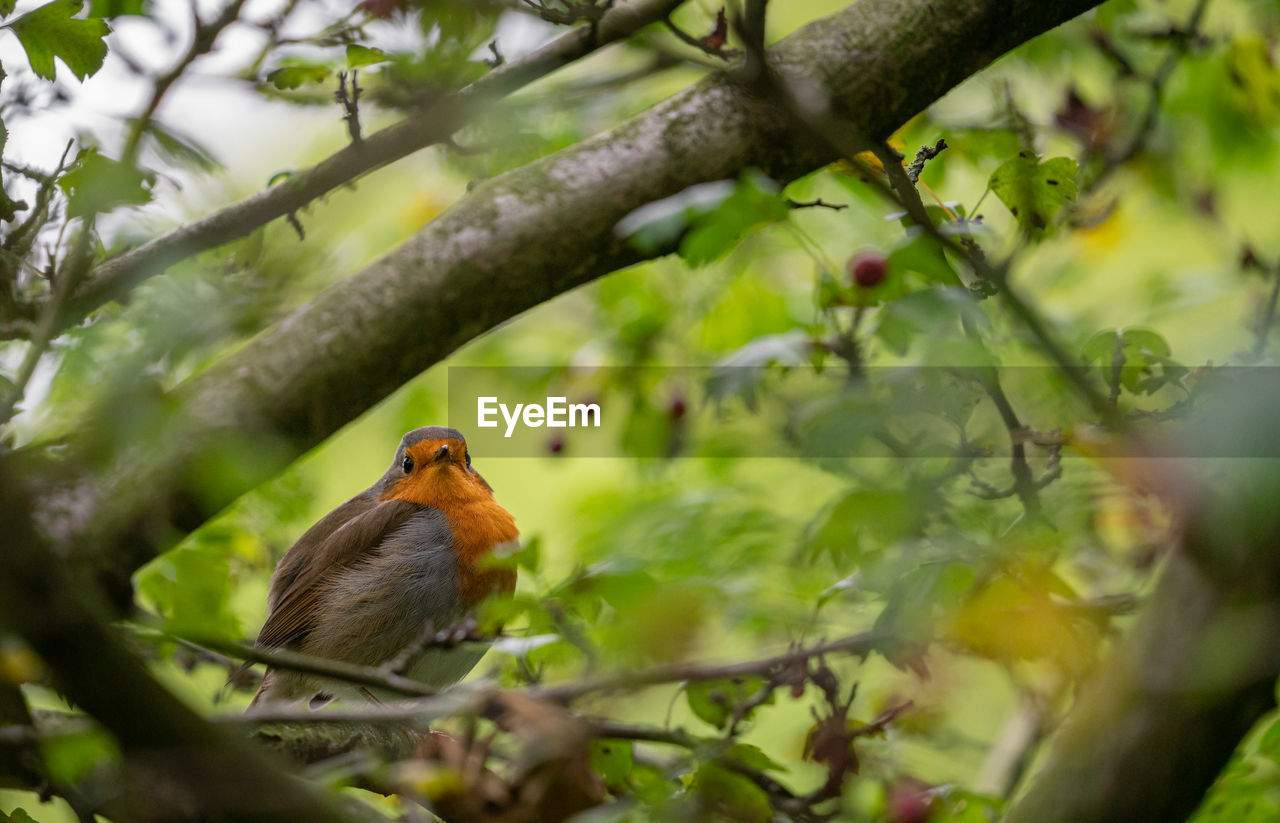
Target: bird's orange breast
[477,529]
[478,522]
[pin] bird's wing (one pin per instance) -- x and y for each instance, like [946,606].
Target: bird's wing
[303,553]
[294,598]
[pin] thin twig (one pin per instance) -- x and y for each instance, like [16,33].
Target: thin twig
[1156,88]
[713,43]
[350,103]
[204,35]
[469,697]
[924,155]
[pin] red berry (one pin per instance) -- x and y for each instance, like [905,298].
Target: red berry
[677,409]
[556,444]
[868,268]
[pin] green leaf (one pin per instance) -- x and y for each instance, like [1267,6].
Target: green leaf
[909,615]
[862,521]
[923,254]
[529,555]
[1145,341]
[754,757]
[98,184]
[7,7]
[191,588]
[358,56]
[1101,347]
[1035,192]
[53,31]
[17,816]
[71,757]
[299,74]
[613,759]
[933,313]
[1147,366]
[117,8]
[715,700]
[734,795]
[756,201]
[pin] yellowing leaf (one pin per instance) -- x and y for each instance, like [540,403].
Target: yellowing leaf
[1009,619]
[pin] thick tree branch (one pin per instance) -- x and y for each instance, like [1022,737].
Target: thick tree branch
[512,243]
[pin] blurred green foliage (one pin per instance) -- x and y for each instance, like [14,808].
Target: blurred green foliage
[703,548]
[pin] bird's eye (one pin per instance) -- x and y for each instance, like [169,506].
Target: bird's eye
[468,460]
[407,465]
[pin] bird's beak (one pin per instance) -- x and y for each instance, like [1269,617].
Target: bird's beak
[441,454]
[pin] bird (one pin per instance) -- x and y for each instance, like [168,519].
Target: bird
[408,556]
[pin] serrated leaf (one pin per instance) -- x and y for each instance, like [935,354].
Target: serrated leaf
[52,31]
[98,184]
[1033,191]
[358,56]
[862,521]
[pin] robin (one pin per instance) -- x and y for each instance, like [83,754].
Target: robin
[405,556]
